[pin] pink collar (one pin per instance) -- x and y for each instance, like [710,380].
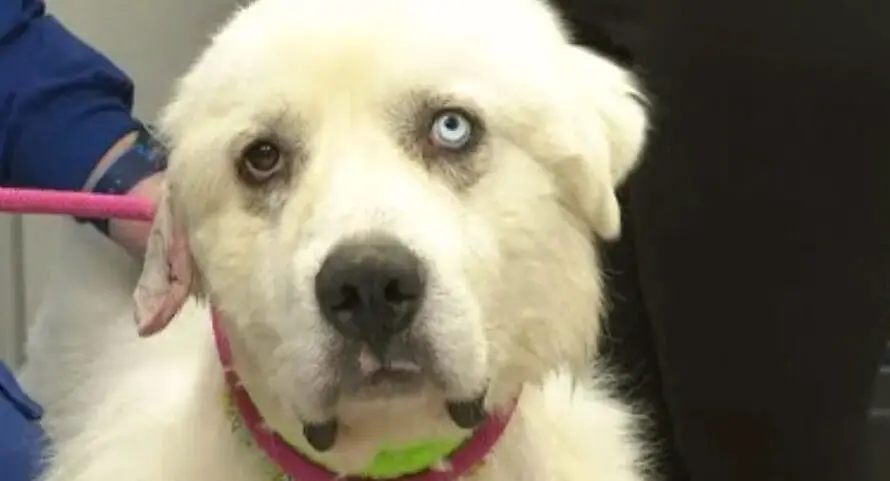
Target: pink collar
[297,466]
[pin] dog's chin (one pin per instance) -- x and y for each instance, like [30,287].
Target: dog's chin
[400,387]
[406,386]
[360,401]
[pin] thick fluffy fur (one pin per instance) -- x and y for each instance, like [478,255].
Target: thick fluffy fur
[505,231]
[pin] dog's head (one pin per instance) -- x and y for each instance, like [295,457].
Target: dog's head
[394,200]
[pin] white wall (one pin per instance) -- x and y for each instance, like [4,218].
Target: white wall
[152,40]
[11,297]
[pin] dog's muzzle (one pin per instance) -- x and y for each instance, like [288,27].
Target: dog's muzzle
[370,290]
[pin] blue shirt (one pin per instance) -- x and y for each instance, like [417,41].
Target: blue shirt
[22,442]
[62,103]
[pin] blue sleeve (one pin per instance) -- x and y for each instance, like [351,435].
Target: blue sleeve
[62,104]
[22,442]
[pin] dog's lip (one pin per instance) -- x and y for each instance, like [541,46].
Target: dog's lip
[391,371]
[369,365]
[391,376]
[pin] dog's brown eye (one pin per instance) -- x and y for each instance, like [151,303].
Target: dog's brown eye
[260,161]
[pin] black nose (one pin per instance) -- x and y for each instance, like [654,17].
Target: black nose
[370,290]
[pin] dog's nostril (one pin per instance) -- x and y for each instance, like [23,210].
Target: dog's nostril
[370,289]
[344,308]
[394,294]
[351,299]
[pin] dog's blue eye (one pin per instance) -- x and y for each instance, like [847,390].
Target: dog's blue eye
[451,130]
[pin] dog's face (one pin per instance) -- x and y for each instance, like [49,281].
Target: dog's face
[396,199]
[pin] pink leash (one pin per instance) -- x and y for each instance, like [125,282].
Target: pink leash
[77,204]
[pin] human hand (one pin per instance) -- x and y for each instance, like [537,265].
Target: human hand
[133,235]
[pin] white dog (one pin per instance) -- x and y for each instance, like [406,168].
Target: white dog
[391,205]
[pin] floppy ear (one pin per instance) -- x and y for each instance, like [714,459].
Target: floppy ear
[608,121]
[167,273]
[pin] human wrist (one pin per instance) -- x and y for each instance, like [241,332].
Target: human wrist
[130,167]
[117,149]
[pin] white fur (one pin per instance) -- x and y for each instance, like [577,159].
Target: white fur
[514,291]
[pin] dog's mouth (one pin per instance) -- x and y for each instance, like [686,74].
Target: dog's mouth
[364,377]
[396,374]
[368,377]
[405,375]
